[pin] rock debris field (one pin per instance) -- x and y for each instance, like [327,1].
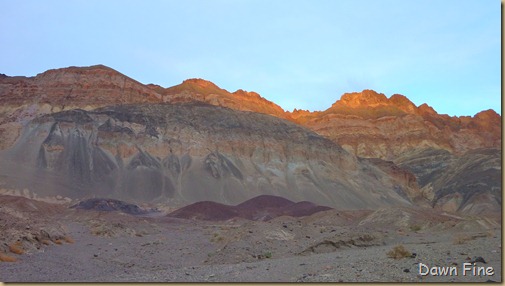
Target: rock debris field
[55,243]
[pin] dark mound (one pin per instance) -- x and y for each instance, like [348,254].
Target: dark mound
[264,202]
[99,204]
[206,210]
[261,208]
[304,209]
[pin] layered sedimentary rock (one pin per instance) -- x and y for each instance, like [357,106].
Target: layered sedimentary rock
[24,98]
[205,91]
[371,125]
[188,153]
[411,149]
[469,183]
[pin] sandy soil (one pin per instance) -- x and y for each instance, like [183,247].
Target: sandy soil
[331,246]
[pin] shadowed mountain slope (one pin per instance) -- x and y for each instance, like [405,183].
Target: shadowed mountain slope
[190,152]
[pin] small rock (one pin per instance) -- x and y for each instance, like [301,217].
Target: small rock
[414,255]
[478,259]
[406,270]
[95,255]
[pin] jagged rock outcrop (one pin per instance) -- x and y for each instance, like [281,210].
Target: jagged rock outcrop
[191,152]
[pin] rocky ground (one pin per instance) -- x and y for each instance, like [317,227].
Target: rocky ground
[59,244]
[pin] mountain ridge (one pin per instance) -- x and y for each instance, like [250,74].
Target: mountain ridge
[390,132]
[350,98]
[359,121]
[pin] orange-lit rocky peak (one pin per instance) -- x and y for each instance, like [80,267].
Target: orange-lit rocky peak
[362,99]
[488,120]
[425,109]
[200,83]
[249,94]
[403,103]
[197,87]
[489,115]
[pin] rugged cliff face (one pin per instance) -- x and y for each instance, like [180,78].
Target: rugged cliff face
[191,152]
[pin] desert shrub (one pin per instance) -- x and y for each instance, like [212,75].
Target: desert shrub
[46,241]
[6,258]
[461,239]
[216,237]
[399,252]
[268,254]
[415,227]
[58,241]
[490,233]
[16,248]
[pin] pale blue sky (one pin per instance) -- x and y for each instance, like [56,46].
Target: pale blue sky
[298,54]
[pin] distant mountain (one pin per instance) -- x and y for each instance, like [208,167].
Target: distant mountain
[105,117]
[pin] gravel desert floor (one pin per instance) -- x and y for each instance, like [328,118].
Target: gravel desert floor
[386,245]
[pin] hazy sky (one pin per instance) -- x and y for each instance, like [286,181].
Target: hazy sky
[298,54]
